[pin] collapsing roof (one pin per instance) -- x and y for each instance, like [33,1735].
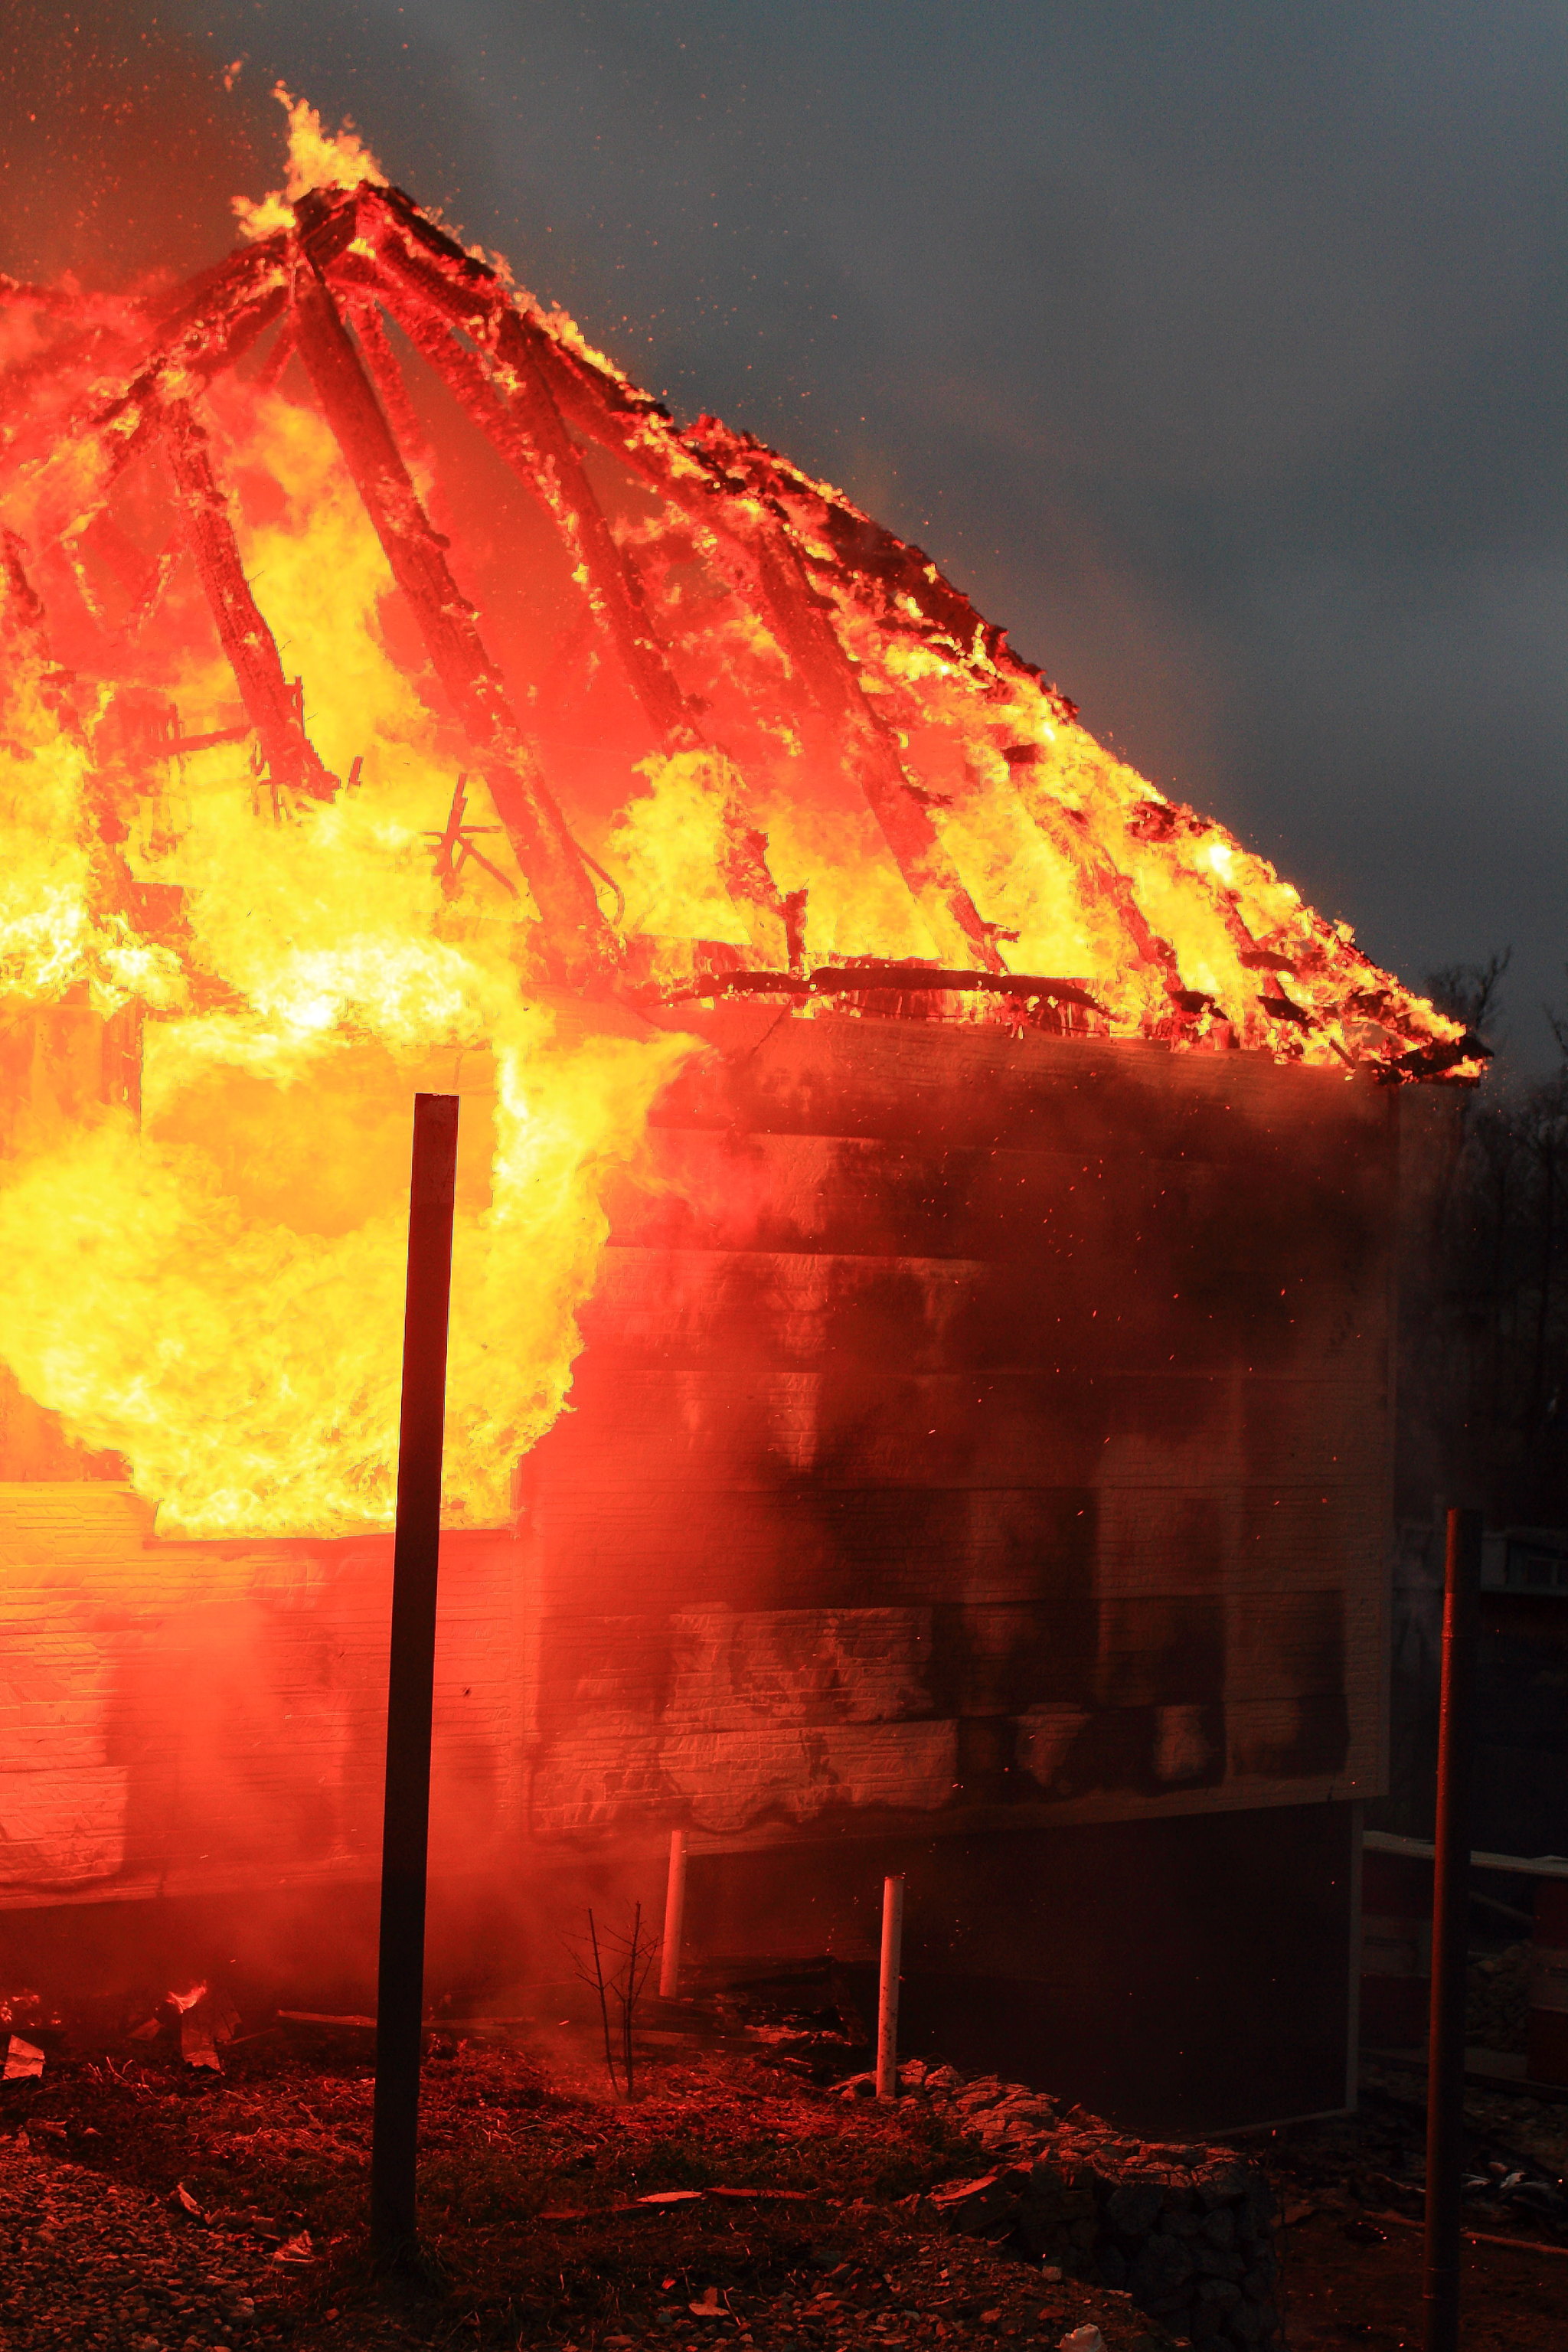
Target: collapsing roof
[772,751]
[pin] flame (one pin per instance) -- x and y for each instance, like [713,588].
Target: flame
[317,159]
[670,842]
[213,1289]
[204,1267]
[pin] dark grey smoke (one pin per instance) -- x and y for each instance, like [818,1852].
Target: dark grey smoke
[1218,348]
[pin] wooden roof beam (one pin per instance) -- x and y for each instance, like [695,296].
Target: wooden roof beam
[580,937]
[291,758]
[636,429]
[63,488]
[516,411]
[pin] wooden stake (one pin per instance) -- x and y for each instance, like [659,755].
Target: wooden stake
[400,1986]
[888,1994]
[1450,1937]
[674,1919]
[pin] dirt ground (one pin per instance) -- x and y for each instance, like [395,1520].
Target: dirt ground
[149,2207]
[146,2208]
[1352,2248]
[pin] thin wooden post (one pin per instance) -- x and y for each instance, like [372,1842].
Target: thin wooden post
[674,1919]
[887,1990]
[400,1984]
[1450,1937]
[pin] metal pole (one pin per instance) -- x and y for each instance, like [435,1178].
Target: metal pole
[1451,1935]
[887,1992]
[674,1918]
[400,1985]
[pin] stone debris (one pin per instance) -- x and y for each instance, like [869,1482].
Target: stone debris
[1188,2232]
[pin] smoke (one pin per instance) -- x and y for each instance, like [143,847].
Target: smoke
[123,146]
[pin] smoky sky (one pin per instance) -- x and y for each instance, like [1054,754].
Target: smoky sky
[1218,350]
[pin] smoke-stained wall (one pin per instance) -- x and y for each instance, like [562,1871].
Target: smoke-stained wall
[972,1431]
[974,1427]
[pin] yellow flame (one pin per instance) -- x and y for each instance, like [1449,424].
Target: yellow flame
[670,844]
[214,1291]
[317,159]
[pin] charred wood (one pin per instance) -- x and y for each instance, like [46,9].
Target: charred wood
[814,648]
[516,411]
[252,650]
[381,365]
[868,978]
[66,486]
[1099,882]
[638,431]
[862,549]
[519,418]
[543,846]
[763,556]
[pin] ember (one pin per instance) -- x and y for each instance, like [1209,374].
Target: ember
[310,796]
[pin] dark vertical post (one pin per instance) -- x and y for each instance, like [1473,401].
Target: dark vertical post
[400,1988]
[1451,1935]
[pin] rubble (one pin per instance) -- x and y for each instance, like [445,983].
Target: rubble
[168,2212]
[802,2221]
[1186,2232]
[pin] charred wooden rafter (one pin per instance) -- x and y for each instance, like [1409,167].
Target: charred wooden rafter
[513,405]
[58,491]
[252,650]
[795,553]
[874,976]
[364,316]
[529,361]
[762,550]
[543,846]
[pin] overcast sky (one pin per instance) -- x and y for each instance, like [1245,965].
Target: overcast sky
[1218,350]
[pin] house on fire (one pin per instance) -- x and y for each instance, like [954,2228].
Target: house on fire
[921,1348]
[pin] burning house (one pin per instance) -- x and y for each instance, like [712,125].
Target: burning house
[920,1388]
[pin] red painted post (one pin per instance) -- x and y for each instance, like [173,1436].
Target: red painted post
[1451,1935]
[400,1986]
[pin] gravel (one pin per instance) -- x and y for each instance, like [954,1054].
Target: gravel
[92,2262]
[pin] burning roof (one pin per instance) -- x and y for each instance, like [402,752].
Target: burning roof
[844,764]
[384,671]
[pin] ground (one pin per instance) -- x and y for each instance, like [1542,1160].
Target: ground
[1352,2244]
[146,2204]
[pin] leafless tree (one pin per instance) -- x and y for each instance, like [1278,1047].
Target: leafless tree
[617,1964]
